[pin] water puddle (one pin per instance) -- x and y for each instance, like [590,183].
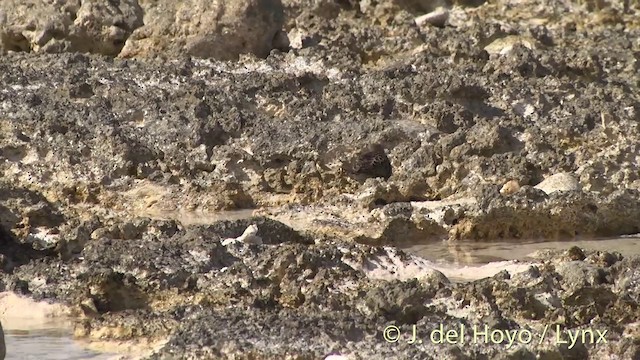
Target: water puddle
[39,331]
[477,253]
[49,344]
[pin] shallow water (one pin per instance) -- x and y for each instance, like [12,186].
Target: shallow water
[475,253]
[47,344]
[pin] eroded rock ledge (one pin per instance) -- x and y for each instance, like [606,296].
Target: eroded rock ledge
[293,296]
[349,126]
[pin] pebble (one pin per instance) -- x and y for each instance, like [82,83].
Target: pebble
[336,357]
[248,236]
[510,187]
[559,182]
[503,45]
[438,17]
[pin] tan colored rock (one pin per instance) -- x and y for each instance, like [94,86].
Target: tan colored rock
[207,29]
[55,26]
[510,187]
[504,45]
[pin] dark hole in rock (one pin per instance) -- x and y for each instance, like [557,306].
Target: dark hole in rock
[380,202]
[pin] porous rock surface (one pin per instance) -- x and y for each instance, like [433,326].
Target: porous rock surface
[68,25]
[293,297]
[114,114]
[211,29]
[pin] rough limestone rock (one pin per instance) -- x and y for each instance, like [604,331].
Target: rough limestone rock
[56,26]
[183,286]
[206,29]
[112,168]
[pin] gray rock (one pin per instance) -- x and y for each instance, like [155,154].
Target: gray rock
[559,182]
[578,274]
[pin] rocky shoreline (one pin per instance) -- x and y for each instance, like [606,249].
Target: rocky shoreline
[350,128]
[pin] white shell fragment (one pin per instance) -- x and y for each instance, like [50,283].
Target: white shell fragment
[559,182]
[437,17]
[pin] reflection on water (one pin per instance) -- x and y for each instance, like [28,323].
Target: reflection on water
[473,253]
[47,344]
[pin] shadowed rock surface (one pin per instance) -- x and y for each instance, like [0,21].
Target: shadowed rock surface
[373,162]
